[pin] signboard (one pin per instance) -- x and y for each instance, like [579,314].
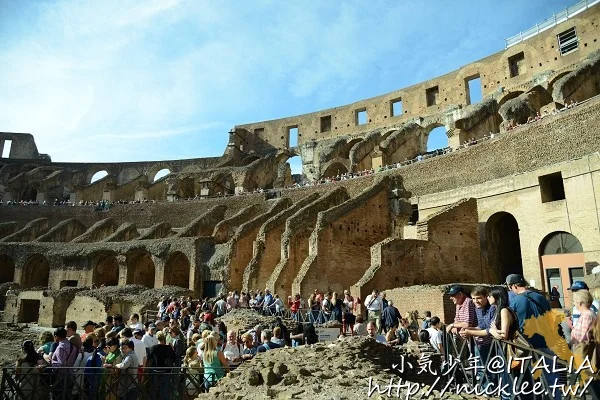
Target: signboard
[327,334]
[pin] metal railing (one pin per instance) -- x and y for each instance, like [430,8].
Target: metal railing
[95,383]
[510,371]
[556,19]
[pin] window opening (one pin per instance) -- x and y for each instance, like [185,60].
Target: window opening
[552,187]
[516,64]
[326,123]
[432,96]
[567,41]
[474,93]
[396,107]
[6,148]
[292,136]
[361,116]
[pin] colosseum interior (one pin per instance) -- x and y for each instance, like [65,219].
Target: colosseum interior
[515,192]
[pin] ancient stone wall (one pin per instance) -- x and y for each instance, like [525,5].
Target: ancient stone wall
[510,70]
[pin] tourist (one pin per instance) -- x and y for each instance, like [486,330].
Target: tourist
[315,308]
[249,350]
[134,322]
[582,299]
[278,337]
[193,329]
[349,317]
[483,340]
[194,379]
[220,307]
[161,360]
[88,328]
[326,308]
[128,383]
[178,343]
[64,355]
[215,363]
[46,341]
[267,344]
[372,332]
[233,350]
[436,335]
[119,325]
[390,316]
[528,306]
[72,335]
[27,373]
[576,286]
[277,306]
[139,346]
[374,305]
[465,317]
[294,305]
[109,323]
[427,321]
[360,327]
[149,337]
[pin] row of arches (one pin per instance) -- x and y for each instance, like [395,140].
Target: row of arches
[124,176]
[105,271]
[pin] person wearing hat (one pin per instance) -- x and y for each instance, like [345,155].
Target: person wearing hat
[88,328]
[528,306]
[149,337]
[576,286]
[465,315]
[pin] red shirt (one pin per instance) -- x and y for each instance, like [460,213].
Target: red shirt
[295,305]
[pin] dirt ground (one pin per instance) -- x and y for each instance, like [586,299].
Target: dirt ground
[11,339]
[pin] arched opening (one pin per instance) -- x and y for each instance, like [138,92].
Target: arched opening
[334,170]
[562,262]
[106,271]
[346,153]
[7,269]
[30,193]
[98,175]
[36,272]
[161,174]
[509,96]
[437,139]
[140,268]
[554,79]
[503,245]
[177,270]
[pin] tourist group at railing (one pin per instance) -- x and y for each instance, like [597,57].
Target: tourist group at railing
[184,348]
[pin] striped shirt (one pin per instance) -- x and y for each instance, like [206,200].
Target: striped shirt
[466,312]
[485,316]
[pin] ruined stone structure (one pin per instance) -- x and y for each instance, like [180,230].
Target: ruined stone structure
[520,200]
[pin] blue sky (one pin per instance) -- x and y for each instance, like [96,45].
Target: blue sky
[167,79]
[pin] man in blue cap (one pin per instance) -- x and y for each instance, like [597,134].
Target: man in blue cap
[581,285]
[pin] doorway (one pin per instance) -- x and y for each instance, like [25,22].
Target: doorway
[29,311]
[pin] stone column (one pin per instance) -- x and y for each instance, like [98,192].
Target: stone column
[159,271]
[122,260]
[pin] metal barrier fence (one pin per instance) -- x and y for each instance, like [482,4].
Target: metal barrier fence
[511,371]
[95,383]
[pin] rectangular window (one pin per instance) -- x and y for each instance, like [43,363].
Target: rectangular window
[473,86]
[259,131]
[68,283]
[360,116]
[414,216]
[551,187]
[396,107]
[516,64]
[567,41]
[326,123]
[292,136]
[6,148]
[432,96]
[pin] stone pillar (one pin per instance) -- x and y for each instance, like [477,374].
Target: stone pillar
[141,191]
[122,260]
[159,271]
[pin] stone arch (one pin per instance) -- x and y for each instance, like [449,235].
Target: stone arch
[286,163]
[249,159]
[509,96]
[35,272]
[562,262]
[7,269]
[106,270]
[503,245]
[177,270]
[435,137]
[335,169]
[140,268]
[127,175]
[346,151]
[155,169]
[99,174]
[560,242]
[554,79]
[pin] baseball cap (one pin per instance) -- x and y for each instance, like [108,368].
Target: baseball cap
[514,279]
[455,289]
[208,317]
[89,323]
[578,285]
[138,332]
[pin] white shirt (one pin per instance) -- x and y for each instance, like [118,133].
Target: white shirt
[376,305]
[137,325]
[140,350]
[149,341]
[435,338]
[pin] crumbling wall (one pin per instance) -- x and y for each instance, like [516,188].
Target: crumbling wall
[126,232]
[266,250]
[581,84]
[29,232]
[294,242]
[205,223]
[339,251]
[97,232]
[65,231]
[224,230]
